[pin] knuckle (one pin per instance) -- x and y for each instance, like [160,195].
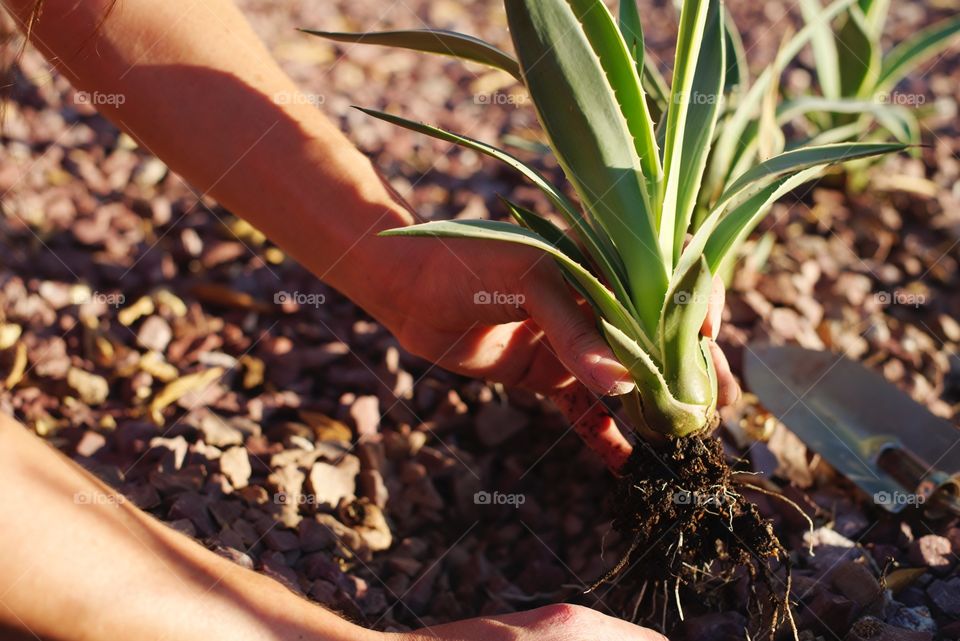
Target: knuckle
[577,335]
[562,614]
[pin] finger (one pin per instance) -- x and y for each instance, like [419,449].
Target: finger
[594,424]
[574,336]
[728,390]
[711,324]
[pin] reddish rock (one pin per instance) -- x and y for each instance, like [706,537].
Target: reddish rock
[373,487]
[331,483]
[155,334]
[932,551]
[193,507]
[716,626]
[856,582]
[281,540]
[497,422]
[235,465]
[873,629]
[946,596]
[90,443]
[275,566]
[827,612]
[365,413]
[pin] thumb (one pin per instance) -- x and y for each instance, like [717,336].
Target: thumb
[575,338]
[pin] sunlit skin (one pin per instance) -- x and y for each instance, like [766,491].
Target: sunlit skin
[200,92]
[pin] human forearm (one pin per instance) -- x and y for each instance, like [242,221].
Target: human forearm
[198,88]
[108,571]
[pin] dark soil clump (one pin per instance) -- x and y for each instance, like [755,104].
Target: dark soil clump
[680,506]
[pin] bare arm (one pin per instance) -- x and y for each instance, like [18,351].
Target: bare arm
[80,563]
[201,91]
[106,570]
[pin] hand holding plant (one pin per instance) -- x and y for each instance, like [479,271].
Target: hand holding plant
[504,313]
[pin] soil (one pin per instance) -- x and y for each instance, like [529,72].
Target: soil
[679,505]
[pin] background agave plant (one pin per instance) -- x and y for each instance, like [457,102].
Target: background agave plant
[856,78]
[642,159]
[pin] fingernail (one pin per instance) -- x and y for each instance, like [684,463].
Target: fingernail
[610,376]
[620,388]
[715,320]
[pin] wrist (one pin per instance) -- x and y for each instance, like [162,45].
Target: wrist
[377,272]
[287,617]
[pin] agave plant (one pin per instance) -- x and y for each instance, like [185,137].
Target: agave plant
[856,79]
[636,153]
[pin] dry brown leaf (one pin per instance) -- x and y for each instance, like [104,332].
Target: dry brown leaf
[903,578]
[129,314]
[179,388]
[19,367]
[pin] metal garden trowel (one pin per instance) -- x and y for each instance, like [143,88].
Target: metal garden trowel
[870,431]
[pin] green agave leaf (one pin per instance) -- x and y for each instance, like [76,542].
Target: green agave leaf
[525,144]
[605,257]
[899,121]
[556,237]
[553,235]
[825,52]
[728,225]
[591,104]
[657,94]
[859,54]
[650,78]
[547,230]
[752,207]
[800,159]
[895,118]
[734,227]
[680,321]
[738,69]
[841,133]
[632,30]
[698,80]
[446,43]
[658,408]
[601,298]
[876,15]
[731,142]
[770,138]
[911,53]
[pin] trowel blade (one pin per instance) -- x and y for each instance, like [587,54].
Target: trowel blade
[849,414]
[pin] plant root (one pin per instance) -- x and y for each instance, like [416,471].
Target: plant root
[679,505]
